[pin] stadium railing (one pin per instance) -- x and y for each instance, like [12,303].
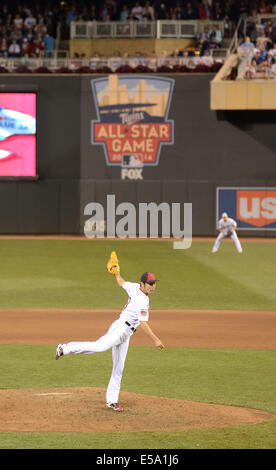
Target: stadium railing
[136,29]
[104,64]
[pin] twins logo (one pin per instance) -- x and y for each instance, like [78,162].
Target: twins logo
[132,122]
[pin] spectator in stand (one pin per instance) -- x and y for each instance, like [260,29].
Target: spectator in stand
[25,48]
[115,60]
[218,12]
[254,31]
[39,31]
[260,59]
[79,18]
[4,48]
[105,13]
[263,52]
[196,59]
[40,20]
[30,21]
[26,10]
[271,34]
[178,10]
[36,9]
[271,55]
[14,49]
[262,39]
[161,12]
[4,12]
[9,21]
[252,25]
[205,11]
[124,13]
[30,35]
[92,13]
[163,59]
[172,14]
[18,21]
[175,53]
[113,5]
[215,36]
[49,42]
[36,48]
[95,60]
[148,12]
[207,59]
[189,12]
[16,34]
[185,57]
[242,8]
[137,11]
[5,32]
[247,45]
[85,14]
[72,14]
[51,21]
[263,8]
[203,40]
[153,61]
[231,17]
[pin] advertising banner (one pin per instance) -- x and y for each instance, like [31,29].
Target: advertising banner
[253,208]
[18,134]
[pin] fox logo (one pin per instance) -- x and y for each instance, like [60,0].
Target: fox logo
[256,207]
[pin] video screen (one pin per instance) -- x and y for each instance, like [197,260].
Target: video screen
[18,134]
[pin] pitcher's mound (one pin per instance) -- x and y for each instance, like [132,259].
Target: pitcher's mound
[83,410]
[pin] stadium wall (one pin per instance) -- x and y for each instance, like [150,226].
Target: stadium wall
[205,149]
[129,46]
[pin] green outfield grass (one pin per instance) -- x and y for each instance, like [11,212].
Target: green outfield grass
[72,274]
[234,377]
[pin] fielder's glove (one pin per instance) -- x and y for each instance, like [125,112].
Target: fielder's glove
[229,233]
[113,264]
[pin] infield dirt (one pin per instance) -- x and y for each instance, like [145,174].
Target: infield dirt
[82,409]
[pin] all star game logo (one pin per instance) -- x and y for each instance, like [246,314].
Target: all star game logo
[132,122]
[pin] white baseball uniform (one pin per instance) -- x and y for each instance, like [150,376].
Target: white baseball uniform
[117,337]
[227,226]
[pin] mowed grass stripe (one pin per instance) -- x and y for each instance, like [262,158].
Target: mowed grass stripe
[72,274]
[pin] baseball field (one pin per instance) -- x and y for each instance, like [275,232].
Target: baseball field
[212,387]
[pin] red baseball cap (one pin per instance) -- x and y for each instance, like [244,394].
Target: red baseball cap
[148,277]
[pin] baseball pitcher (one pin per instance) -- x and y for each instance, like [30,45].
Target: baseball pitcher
[134,313]
[227,228]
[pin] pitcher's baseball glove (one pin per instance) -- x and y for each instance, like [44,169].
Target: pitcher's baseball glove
[113,264]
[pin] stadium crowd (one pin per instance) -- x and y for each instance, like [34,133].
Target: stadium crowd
[257,53]
[27,28]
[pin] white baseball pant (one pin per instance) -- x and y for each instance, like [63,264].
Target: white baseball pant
[117,338]
[233,237]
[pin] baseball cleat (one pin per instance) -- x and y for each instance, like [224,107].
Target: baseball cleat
[115,406]
[59,351]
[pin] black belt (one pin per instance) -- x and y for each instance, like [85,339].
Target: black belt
[131,327]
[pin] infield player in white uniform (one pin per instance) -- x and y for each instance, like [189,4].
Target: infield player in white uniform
[134,313]
[227,228]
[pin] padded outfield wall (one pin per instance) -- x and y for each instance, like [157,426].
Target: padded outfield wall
[145,138]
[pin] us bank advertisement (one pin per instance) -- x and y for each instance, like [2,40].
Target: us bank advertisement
[253,208]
